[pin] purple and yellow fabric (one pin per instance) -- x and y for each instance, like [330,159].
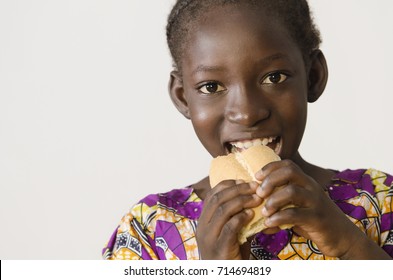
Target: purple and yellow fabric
[163,226]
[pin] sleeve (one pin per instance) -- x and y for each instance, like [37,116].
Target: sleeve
[131,240]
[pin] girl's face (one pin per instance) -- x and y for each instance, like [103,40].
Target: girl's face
[244,82]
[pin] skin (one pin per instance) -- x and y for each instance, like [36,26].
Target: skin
[252,82]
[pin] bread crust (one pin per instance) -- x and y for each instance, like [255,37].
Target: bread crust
[243,166]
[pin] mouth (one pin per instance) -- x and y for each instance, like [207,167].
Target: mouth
[273,142]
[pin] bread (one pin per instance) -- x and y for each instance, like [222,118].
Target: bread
[243,166]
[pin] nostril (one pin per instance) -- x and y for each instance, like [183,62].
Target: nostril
[247,106]
[249,117]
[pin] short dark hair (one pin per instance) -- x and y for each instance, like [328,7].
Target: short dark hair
[294,14]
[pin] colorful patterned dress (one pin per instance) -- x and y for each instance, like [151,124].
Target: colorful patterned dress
[163,226]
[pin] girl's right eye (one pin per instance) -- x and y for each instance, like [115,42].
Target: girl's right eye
[211,87]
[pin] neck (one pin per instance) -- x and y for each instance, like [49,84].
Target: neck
[321,175]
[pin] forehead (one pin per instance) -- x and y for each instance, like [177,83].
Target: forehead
[232,32]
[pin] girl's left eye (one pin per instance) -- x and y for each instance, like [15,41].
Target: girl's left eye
[275,78]
[211,87]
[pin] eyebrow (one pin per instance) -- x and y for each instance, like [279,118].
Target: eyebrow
[271,58]
[205,68]
[263,62]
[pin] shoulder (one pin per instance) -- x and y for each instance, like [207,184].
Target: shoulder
[363,193]
[368,180]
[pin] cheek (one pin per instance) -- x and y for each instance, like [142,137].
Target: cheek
[203,114]
[206,123]
[296,116]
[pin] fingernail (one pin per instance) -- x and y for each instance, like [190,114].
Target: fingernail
[259,175]
[260,191]
[265,212]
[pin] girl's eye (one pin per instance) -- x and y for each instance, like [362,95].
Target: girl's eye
[275,78]
[211,87]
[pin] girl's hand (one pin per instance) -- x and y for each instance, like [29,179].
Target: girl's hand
[315,216]
[226,210]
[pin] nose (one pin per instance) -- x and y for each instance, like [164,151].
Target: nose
[247,107]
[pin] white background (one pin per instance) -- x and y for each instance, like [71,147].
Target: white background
[216,269]
[87,127]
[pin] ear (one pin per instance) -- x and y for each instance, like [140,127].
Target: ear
[317,75]
[176,91]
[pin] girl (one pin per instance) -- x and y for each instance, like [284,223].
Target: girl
[245,71]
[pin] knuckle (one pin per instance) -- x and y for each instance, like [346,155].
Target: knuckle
[237,189]
[247,201]
[220,210]
[290,166]
[215,198]
[290,190]
[242,188]
[290,213]
[292,169]
[244,199]
[228,229]
[287,162]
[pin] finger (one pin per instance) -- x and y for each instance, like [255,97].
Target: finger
[287,196]
[261,174]
[229,233]
[223,185]
[279,174]
[293,216]
[271,230]
[224,192]
[226,211]
[212,199]
[233,187]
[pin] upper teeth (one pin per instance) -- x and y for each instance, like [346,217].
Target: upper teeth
[249,143]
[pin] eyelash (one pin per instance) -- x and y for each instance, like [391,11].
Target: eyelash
[283,78]
[217,88]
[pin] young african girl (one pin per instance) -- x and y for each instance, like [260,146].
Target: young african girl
[245,71]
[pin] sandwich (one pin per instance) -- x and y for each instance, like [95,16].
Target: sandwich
[243,166]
